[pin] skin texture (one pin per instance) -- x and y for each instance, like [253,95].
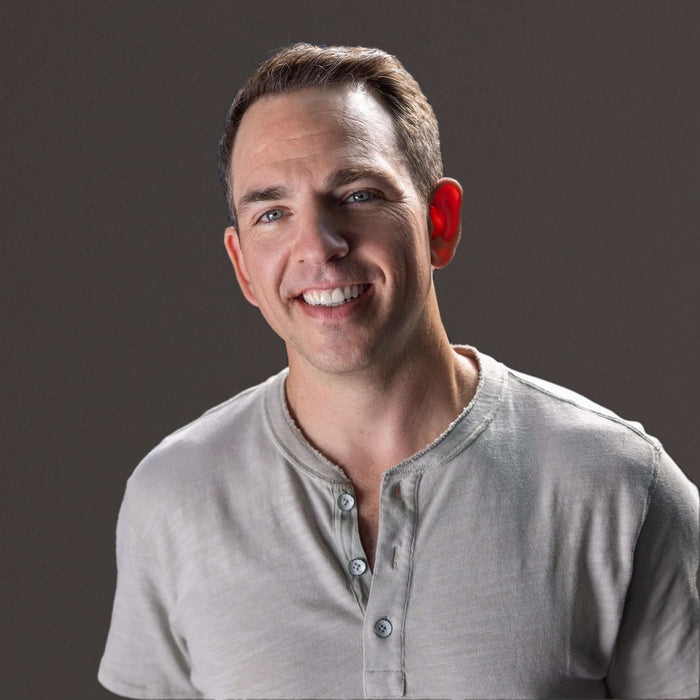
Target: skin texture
[324,199]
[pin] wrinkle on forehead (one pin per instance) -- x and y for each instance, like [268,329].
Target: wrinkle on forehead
[346,118]
[282,141]
[337,128]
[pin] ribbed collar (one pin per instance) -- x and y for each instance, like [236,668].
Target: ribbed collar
[459,435]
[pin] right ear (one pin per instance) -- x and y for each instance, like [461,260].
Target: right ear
[233,248]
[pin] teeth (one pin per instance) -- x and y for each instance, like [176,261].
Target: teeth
[333,297]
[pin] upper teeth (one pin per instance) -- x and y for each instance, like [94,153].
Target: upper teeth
[333,297]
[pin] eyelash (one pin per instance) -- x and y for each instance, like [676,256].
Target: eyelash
[269,211]
[373,195]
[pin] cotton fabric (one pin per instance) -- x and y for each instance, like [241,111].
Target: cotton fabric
[541,547]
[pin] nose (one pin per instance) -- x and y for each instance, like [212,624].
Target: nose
[319,239]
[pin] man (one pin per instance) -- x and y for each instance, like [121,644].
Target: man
[392,516]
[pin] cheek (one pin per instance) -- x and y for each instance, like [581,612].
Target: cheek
[263,263]
[410,240]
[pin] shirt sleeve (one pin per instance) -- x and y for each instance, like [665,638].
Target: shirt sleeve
[144,657]
[656,652]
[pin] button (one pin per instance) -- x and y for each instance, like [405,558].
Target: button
[358,567]
[383,628]
[346,501]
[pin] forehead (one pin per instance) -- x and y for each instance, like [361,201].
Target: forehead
[312,130]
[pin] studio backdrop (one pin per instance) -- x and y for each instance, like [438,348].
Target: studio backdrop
[572,127]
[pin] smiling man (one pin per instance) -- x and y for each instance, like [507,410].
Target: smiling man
[392,515]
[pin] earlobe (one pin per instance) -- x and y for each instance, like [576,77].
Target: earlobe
[446,220]
[233,248]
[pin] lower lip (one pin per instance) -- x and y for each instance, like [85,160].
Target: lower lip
[336,313]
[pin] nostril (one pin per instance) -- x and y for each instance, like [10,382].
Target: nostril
[320,243]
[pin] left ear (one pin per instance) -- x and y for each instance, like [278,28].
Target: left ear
[446,221]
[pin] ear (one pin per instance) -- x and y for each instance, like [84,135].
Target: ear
[233,248]
[446,221]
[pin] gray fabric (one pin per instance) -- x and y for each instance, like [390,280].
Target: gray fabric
[541,547]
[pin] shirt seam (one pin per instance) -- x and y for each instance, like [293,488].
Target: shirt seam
[286,453]
[692,686]
[409,577]
[213,409]
[146,691]
[407,468]
[611,417]
[650,492]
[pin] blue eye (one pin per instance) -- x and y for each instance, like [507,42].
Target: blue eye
[361,196]
[272,215]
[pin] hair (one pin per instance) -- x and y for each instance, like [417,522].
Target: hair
[304,65]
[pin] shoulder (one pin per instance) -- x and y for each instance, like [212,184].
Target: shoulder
[215,424]
[565,442]
[568,412]
[570,436]
[188,465]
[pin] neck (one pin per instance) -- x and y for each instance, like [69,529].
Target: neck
[370,420]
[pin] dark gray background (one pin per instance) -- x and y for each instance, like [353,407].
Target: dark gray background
[573,127]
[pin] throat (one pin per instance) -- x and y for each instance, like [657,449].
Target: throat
[367,427]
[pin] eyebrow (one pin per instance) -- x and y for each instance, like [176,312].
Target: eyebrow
[263,194]
[346,176]
[339,178]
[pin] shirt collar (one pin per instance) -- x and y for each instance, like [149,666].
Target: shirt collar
[296,449]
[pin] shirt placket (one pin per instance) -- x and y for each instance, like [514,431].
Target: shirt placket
[385,614]
[347,533]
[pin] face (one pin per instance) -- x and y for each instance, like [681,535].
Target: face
[333,243]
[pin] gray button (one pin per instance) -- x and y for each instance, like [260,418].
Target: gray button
[358,567]
[346,501]
[383,628]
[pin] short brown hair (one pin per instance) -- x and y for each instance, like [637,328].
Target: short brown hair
[303,66]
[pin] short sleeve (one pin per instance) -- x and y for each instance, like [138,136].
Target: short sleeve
[656,652]
[143,657]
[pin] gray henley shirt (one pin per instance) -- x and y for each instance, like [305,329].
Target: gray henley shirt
[541,547]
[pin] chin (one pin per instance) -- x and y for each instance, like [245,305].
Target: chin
[337,360]
[338,364]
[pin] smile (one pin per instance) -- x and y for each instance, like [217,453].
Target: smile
[334,297]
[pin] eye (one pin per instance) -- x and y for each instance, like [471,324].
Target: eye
[361,196]
[271,215]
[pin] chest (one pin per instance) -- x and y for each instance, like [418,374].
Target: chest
[269,593]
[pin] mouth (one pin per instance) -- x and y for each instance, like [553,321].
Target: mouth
[334,297]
